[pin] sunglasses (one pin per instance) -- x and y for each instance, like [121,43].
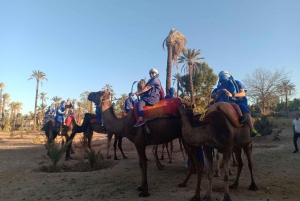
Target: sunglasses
[152,73]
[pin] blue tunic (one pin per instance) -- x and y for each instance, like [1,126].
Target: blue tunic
[60,113]
[152,96]
[128,103]
[242,102]
[230,87]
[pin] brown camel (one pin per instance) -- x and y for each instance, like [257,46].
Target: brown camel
[156,131]
[68,132]
[89,127]
[218,132]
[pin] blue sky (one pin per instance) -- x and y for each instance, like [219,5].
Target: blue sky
[83,45]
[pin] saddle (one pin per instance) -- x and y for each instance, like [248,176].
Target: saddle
[163,108]
[228,110]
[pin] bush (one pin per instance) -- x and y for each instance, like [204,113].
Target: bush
[264,126]
[55,153]
[93,158]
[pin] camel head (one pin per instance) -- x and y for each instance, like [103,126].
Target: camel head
[141,84]
[105,101]
[186,109]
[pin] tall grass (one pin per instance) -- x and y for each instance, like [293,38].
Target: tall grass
[94,158]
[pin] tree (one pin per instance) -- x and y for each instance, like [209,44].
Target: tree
[120,105]
[56,101]
[203,81]
[109,88]
[2,87]
[262,86]
[175,43]
[178,80]
[39,76]
[43,97]
[5,102]
[74,104]
[285,89]
[86,104]
[191,60]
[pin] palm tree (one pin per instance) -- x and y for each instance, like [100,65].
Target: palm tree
[177,79]
[191,60]
[109,88]
[285,89]
[5,102]
[39,76]
[56,101]
[43,97]
[175,43]
[2,87]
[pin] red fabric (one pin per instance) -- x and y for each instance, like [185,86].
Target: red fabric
[68,120]
[162,93]
[166,106]
[94,119]
[124,114]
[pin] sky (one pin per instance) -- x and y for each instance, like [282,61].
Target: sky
[84,45]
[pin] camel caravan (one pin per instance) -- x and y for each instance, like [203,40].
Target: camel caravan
[164,121]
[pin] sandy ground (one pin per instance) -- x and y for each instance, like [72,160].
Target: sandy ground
[276,172]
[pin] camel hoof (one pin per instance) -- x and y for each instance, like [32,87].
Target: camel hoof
[125,157]
[144,194]
[227,197]
[253,187]
[234,186]
[195,198]
[182,185]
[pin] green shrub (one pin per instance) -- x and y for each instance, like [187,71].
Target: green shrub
[264,126]
[93,158]
[55,152]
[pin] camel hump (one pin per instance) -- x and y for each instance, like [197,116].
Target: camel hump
[228,110]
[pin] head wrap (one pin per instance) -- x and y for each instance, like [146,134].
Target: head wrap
[223,76]
[153,70]
[171,90]
[129,95]
[62,102]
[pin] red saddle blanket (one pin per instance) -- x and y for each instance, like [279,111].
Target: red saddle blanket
[68,120]
[229,111]
[163,107]
[94,120]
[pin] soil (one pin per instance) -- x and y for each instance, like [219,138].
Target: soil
[25,175]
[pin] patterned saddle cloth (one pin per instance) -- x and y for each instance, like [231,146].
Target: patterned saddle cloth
[228,110]
[164,108]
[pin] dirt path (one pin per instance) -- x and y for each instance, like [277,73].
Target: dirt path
[276,172]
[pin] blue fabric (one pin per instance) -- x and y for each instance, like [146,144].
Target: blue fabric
[201,157]
[98,114]
[152,96]
[59,113]
[242,102]
[129,102]
[171,93]
[168,96]
[141,104]
[230,87]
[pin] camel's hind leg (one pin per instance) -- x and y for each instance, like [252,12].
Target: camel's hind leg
[154,152]
[217,172]
[181,148]
[115,148]
[226,163]
[120,146]
[238,156]
[162,152]
[248,152]
[208,152]
[170,151]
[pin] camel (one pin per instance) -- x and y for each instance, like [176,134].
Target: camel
[154,132]
[68,132]
[218,132]
[89,127]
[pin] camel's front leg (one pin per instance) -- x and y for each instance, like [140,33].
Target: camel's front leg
[115,148]
[170,152]
[199,167]
[143,166]
[181,148]
[208,152]
[109,137]
[226,163]
[192,166]
[248,152]
[120,146]
[69,139]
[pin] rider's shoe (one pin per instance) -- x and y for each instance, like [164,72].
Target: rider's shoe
[254,133]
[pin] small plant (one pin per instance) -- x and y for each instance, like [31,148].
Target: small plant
[93,158]
[55,152]
[36,139]
[21,134]
[264,126]
[11,135]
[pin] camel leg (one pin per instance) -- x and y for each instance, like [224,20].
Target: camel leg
[208,152]
[199,167]
[171,152]
[248,152]
[181,148]
[162,152]
[234,162]
[120,147]
[217,172]
[115,148]
[109,137]
[238,156]
[69,140]
[154,152]
[226,163]
[143,166]
[168,152]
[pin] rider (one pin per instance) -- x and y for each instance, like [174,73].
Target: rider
[239,97]
[129,102]
[59,118]
[49,114]
[171,93]
[151,94]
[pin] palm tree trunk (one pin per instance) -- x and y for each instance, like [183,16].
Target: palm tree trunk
[169,68]
[286,105]
[35,104]
[191,84]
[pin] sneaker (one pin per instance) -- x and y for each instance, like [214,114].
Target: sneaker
[254,133]
[242,120]
[139,123]
[295,151]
